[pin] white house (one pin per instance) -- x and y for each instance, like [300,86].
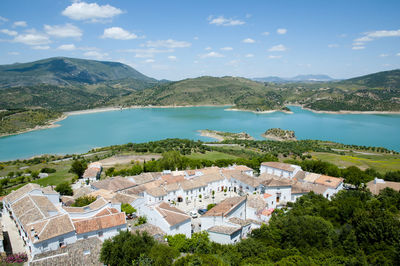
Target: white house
[281,188]
[169,219]
[224,234]
[279,169]
[220,214]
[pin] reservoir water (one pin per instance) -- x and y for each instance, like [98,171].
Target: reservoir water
[80,133]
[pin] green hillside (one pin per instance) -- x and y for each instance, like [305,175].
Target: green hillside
[64,71]
[241,92]
[385,79]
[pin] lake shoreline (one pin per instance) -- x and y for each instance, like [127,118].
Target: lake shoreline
[344,112]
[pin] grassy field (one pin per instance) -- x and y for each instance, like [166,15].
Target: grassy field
[381,162]
[211,155]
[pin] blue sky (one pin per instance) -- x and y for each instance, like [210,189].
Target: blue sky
[181,39]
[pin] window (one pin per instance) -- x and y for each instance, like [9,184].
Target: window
[86,252]
[100,234]
[45,245]
[85,237]
[199,189]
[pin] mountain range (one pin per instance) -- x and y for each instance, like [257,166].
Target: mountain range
[298,78]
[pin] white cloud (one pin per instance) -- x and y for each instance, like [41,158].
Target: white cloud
[234,63]
[9,32]
[398,54]
[265,33]
[373,35]
[63,31]
[248,40]
[41,47]
[228,48]
[90,11]
[274,56]
[277,48]
[172,57]
[222,21]
[281,31]
[20,24]
[67,47]
[146,53]
[96,54]
[13,53]
[149,61]
[333,45]
[383,55]
[358,47]
[212,54]
[249,55]
[168,44]
[195,38]
[3,19]
[208,48]
[32,38]
[118,34]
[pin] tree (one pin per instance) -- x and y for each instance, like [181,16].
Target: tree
[125,248]
[78,167]
[162,254]
[83,201]
[64,189]
[110,171]
[127,208]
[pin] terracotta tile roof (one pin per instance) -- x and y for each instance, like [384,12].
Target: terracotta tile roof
[170,179]
[300,175]
[300,188]
[53,227]
[226,230]
[192,184]
[256,202]
[225,206]
[375,188]
[114,184]
[13,196]
[329,181]
[91,172]
[171,214]
[125,198]
[311,177]
[248,180]
[83,191]
[82,252]
[210,178]
[67,200]
[146,177]
[99,223]
[106,194]
[149,228]
[239,221]
[49,190]
[278,165]
[274,181]
[138,190]
[97,204]
[153,184]
[156,192]
[209,170]
[172,187]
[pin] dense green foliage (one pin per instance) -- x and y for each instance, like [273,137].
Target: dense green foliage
[64,189]
[127,208]
[16,120]
[354,228]
[78,167]
[83,201]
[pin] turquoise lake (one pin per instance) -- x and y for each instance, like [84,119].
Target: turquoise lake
[80,133]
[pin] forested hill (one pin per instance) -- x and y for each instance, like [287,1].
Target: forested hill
[241,92]
[66,71]
[385,79]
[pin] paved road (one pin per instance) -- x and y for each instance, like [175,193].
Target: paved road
[17,244]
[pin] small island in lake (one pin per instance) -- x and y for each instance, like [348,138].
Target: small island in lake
[279,134]
[221,136]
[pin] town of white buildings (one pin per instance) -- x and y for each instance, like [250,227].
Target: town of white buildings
[169,200]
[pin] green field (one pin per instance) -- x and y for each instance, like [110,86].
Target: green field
[211,155]
[380,162]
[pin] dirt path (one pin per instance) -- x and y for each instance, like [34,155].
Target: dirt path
[17,245]
[125,159]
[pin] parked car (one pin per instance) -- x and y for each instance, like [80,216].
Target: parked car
[193,214]
[202,211]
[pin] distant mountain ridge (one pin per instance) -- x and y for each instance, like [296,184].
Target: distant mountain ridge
[298,78]
[64,71]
